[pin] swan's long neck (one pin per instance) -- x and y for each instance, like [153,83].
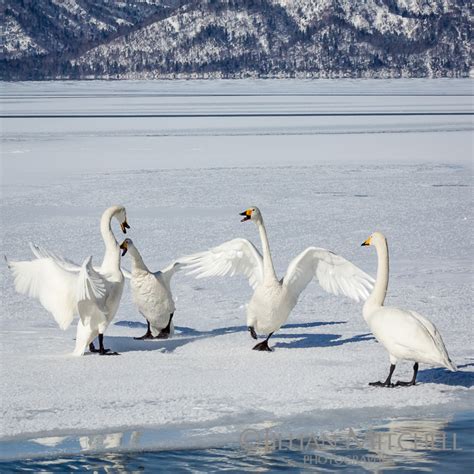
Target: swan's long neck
[377,297]
[137,261]
[269,274]
[111,260]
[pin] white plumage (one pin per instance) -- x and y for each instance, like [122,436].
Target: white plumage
[66,289]
[235,257]
[273,299]
[406,335]
[151,292]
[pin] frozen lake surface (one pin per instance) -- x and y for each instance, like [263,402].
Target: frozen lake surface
[327,181]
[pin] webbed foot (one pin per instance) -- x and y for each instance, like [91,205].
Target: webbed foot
[147,335]
[263,346]
[411,383]
[382,384]
[107,352]
[388,382]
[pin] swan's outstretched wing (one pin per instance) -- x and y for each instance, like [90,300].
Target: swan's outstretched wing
[51,284]
[335,274]
[90,293]
[40,252]
[237,256]
[62,292]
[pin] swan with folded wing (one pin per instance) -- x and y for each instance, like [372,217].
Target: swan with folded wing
[405,334]
[274,299]
[151,292]
[66,289]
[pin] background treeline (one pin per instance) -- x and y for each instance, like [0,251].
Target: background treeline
[84,39]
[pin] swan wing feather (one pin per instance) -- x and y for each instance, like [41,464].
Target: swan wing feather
[334,273]
[237,256]
[51,284]
[91,291]
[40,252]
[435,336]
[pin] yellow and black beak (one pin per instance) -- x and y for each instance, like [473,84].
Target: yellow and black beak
[124,247]
[124,226]
[366,242]
[247,215]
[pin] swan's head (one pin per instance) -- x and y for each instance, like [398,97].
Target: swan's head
[251,214]
[121,215]
[375,239]
[126,245]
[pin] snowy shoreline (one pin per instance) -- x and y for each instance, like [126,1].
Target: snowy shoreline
[228,433]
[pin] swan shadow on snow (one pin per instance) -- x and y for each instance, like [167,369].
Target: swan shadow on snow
[122,344]
[304,341]
[446,377]
[185,335]
[312,325]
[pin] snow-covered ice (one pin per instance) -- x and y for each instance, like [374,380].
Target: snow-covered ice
[324,181]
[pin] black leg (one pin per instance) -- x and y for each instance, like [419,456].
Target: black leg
[147,335]
[165,333]
[252,332]
[102,350]
[92,348]
[263,346]
[388,382]
[412,381]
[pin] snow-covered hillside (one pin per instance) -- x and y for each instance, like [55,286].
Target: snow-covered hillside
[236,38]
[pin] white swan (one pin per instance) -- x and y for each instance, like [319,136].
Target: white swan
[151,293]
[274,299]
[405,334]
[65,289]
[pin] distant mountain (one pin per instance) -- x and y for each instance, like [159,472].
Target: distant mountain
[132,39]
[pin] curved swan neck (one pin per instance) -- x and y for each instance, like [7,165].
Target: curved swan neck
[137,261]
[112,252]
[268,268]
[379,292]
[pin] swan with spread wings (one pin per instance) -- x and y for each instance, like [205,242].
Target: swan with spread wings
[273,299]
[66,289]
